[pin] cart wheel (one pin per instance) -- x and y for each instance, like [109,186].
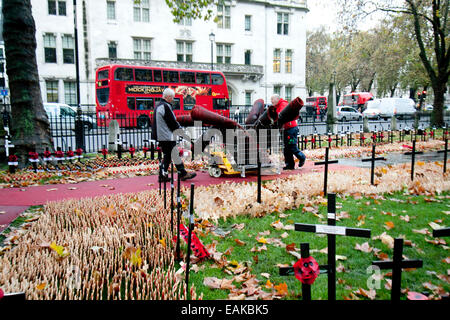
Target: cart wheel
[215,172]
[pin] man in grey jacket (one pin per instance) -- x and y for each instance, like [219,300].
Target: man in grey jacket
[163,125]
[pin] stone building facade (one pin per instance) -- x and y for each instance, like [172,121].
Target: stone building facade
[259,45]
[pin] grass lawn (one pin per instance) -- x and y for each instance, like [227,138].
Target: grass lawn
[397,215]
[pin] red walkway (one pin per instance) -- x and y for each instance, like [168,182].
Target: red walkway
[14,201]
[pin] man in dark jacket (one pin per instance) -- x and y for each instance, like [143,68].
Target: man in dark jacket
[289,137]
[163,125]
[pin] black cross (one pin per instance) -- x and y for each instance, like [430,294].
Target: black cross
[444,232]
[258,197]
[391,136]
[445,154]
[320,141]
[350,139]
[337,138]
[331,230]
[397,264]
[372,160]
[177,250]
[313,141]
[326,162]
[191,227]
[362,138]
[289,271]
[413,157]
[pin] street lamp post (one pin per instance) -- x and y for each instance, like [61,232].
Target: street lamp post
[79,130]
[212,38]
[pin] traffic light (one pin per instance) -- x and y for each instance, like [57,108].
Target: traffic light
[424,94]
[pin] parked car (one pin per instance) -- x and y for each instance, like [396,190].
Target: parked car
[428,107]
[63,116]
[401,108]
[344,113]
[372,109]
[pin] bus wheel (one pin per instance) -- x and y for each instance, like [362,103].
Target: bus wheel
[143,122]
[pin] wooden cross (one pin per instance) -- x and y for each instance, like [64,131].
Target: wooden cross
[15,296]
[337,138]
[258,197]
[326,162]
[329,139]
[445,154]
[397,264]
[413,157]
[372,160]
[331,230]
[171,197]
[320,141]
[313,141]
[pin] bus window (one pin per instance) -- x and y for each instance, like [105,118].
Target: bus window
[217,79]
[103,74]
[170,76]
[143,75]
[157,76]
[202,78]
[144,103]
[103,96]
[220,104]
[131,103]
[187,77]
[124,74]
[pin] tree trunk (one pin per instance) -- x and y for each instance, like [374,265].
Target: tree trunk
[30,127]
[437,117]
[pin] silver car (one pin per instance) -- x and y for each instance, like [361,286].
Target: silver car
[346,113]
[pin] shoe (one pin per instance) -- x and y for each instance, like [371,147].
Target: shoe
[163,179]
[188,175]
[301,164]
[288,168]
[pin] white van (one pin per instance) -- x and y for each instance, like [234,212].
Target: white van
[397,107]
[62,117]
[372,109]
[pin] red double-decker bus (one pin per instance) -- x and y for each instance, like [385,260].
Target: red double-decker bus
[316,105]
[129,94]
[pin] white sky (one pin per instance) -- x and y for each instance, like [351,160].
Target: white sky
[321,12]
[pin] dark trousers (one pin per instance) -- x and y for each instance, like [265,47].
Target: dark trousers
[166,149]
[290,148]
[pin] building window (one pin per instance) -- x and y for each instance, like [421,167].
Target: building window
[223,17]
[142,48]
[184,51]
[186,21]
[111,10]
[52,90]
[248,57]
[57,7]
[248,23]
[276,60]
[248,98]
[141,11]
[277,90]
[50,48]
[288,93]
[70,93]
[288,61]
[282,23]
[223,53]
[112,50]
[68,45]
